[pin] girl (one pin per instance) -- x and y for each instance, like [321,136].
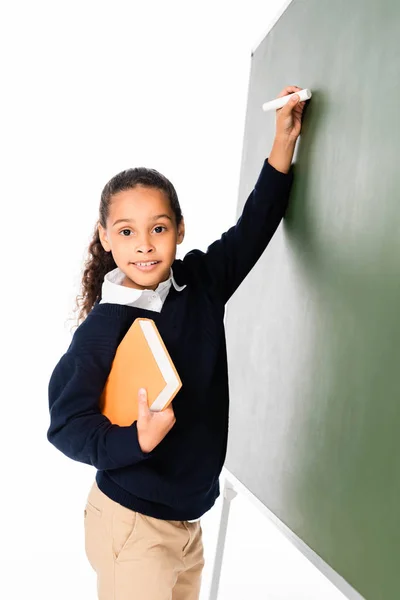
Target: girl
[156,477]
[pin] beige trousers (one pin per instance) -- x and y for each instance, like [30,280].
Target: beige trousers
[138,557]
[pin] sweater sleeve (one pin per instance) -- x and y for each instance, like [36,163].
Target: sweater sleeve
[229,259]
[77,426]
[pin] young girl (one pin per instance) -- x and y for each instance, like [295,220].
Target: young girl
[156,477]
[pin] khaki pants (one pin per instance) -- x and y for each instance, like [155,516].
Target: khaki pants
[138,557]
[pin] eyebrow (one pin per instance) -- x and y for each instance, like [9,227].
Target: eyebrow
[155,218]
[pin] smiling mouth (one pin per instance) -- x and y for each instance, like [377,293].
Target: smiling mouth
[146,265]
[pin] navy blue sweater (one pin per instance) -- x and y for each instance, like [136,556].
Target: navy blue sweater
[179,479]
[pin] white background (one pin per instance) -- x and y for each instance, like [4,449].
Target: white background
[89,89]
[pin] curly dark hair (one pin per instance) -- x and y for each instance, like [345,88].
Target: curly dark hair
[98,261]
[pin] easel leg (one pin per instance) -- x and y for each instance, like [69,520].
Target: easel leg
[228,495]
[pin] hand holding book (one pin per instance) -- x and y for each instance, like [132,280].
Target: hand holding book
[141,361]
[152,426]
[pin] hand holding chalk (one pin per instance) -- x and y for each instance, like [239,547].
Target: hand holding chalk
[280,102]
[288,125]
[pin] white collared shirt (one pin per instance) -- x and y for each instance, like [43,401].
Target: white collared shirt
[113,292]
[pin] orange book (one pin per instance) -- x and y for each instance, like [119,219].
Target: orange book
[141,360]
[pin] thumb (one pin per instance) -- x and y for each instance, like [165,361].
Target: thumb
[287,108]
[143,406]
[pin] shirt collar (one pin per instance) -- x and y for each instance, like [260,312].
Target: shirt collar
[112,286]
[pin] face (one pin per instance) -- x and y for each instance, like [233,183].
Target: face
[141,228]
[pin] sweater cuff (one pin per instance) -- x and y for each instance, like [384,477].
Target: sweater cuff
[271,176]
[126,448]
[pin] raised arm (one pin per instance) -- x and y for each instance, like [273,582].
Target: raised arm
[229,259]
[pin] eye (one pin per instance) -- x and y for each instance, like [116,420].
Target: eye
[127,232]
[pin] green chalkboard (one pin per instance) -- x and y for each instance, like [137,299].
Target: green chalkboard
[315,397]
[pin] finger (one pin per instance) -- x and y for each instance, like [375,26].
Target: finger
[169,412]
[291,89]
[299,108]
[143,408]
[290,105]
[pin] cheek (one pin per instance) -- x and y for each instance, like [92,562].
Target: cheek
[120,243]
[172,242]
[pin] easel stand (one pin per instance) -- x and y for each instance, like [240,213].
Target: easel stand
[228,495]
[232,487]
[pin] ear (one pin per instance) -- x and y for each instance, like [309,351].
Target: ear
[181,232]
[103,238]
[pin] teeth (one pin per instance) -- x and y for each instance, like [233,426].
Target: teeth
[146,264]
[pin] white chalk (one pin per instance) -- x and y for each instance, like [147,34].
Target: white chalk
[279,102]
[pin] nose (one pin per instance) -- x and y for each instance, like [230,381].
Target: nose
[144,246]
